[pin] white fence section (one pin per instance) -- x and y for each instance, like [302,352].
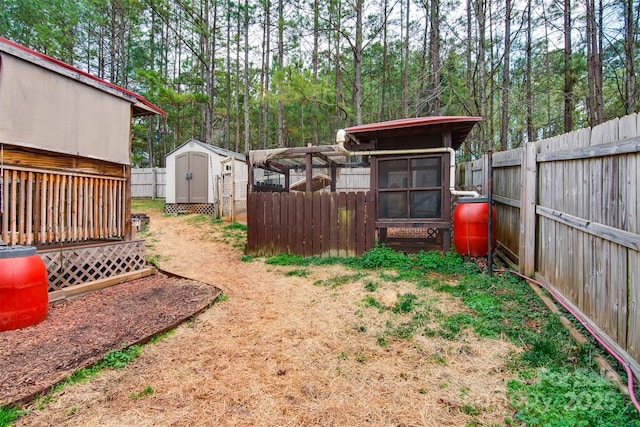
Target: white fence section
[148,183]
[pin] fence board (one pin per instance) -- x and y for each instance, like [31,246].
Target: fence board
[351,224]
[308,221]
[299,201]
[325,224]
[276,236]
[333,232]
[633,333]
[268,221]
[316,225]
[342,224]
[360,215]
[308,224]
[579,224]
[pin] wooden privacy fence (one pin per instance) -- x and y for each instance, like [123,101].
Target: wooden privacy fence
[148,183]
[308,224]
[40,208]
[567,213]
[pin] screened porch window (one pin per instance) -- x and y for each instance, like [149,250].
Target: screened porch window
[410,188]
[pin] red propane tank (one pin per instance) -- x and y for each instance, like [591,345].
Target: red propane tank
[24,298]
[470,226]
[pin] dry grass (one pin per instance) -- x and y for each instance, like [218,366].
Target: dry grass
[283,351]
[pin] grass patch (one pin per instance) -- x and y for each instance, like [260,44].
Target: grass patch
[342,279]
[154,259]
[147,205]
[147,391]
[235,234]
[8,414]
[570,398]
[298,272]
[113,359]
[159,337]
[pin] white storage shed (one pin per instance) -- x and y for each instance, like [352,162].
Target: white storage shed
[202,178]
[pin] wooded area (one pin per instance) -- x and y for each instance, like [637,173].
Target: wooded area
[261,74]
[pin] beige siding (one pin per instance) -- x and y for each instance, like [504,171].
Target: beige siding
[45,110]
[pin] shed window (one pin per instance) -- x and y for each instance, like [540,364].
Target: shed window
[410,188]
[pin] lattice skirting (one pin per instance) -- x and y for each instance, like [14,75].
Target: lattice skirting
[74,266]
[412,239]
[198,208]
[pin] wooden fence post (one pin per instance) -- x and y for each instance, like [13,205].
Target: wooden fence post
[527,255]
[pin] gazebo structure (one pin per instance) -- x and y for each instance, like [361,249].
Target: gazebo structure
[408,205]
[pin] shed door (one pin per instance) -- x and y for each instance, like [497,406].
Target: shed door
[191,177]
[198,181]
[182,178]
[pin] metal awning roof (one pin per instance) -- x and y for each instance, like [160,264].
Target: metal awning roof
[140,105]
[459,126]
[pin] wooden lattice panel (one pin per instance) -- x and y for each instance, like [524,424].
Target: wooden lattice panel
[74,266]
[197,208]
[411,239]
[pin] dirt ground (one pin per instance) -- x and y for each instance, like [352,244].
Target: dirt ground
[80,331]
[285,351]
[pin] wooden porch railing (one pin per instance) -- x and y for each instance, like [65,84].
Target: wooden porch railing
[42,208]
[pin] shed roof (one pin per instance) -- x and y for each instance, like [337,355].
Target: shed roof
[141,107]
[459,126]
[212,148]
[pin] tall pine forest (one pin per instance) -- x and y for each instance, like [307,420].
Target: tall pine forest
[254,74]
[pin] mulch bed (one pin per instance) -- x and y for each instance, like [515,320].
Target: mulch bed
[80,331]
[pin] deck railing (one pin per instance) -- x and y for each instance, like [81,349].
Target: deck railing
[41,208]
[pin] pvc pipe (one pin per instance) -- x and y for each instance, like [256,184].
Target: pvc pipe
[452,162]
[611,351]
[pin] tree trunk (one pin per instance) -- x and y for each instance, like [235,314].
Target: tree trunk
[281,130]
[383,83]
[433,88]
[245,108]
[630,91]
[314,70]
[227,121]
[568,69]
[528,92]
[405,76]
[504,125]
[236,96]
[357,62]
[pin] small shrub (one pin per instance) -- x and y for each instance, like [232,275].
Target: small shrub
[382,257]
[405,304]
[370,286]
[118,359]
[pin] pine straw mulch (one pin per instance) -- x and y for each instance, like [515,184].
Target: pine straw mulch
[289,350]
[80,331]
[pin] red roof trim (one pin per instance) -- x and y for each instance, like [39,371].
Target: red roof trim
[412,122]
[84,73]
